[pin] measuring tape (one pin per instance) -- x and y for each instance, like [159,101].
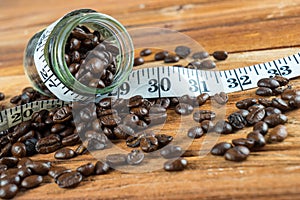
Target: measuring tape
[167,81]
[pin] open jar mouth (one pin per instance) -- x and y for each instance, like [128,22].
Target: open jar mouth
[112,31]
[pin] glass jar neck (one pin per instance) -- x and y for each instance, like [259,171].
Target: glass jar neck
[110,28]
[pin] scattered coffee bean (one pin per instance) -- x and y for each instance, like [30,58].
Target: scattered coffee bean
[182,51]
[261,127]
[237,120]
[64,153]
[171,151]
[56,171]
[221,98]
[148,143]
[259,140]
[23,172]
[175,165]
[268,82]
[32,181]
[280,104]
[161,55]
[265,102]
[48,144]
[10,179]
[101,168]
[278,134]
[294,102]
[220,55]
[223,127]
[86,169]
[207,64]
[202,98]
[171,59]
[138,61]
[2,96]
[264,91]
[246,103]
[249,143]
[135,157]
[281,80]
[40,168]
[237,153]
[9,161]
[255,115]
[207,126]
[221,148]
[8,191]
[202,115]
[114,160]
[18,150]
[145,52]
[163,139]
[289,93]
[275,119]
[200,55]
[184,109]
[195,132]
[69,179]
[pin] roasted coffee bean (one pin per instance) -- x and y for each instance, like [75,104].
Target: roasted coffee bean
[27,136]
[145,52]
[243,112]
[18,150]
[264,91]
[15,99]
[48,144]
[280,104]
[106,103]
[71,140]
[135,157]
[223,127]
[123,131]
[272,110]
[148,143]
[67,132]
[289,93]
[175,165]
[2,96]
[62,115]
[9,172]
[114,160]
[207,126]
[187,99]
[259,140]
[207,64]
[80,150]
[24,172]
[184,109]
[64,153]
[32,181]
[86,169]
[138,61]
[220,55]
[9,161]
[162,102]
[277,134]
[171,151]
[182,51]
[101,168]
[161,55]
[265,102]
[281,80]
[56,171]
[268,82]
[157,109]
[261,127]
[249,143]
[202,115]
[275,119]
[255,116]
[237,153]
[202,98]
[10,179]
[277,91]
[246,103]
[163,139]
[135,101]
[221,98]
[31,146]
[139,111]
[23,162]
[40,168]
[194,65]
[221,148]
[237,121]
[4,151]
[255,107]
[57,128]
[69,179]
[171,59]
[133,141]
[8,191]
[294,102]
[200,55]
[195,132]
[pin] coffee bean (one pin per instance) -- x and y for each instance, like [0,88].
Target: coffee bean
[64,153]
[194,65]
[171,151]
[265,102]
[30,146]
[289,93]
[161,55]
[175,165]
[148,143]
[4,151]
[272,110]
[182,51]
[80,150]
[71,140]
[171,59]
[221,98]
[163,139]
[237,121]
[281,80]
[220,55]
[221,148]
[243,112]
[18,150]
[223,127]
[249,143]
[24,172]
[86,169]
[195,132]
[56,171]
[202,98]
[261,127]
[268,82]
[135,157]
[139,111]
[246,103]
[114,160]
[264,91]
[8,191]
[10,179]
[207,126]
[9,161]
[255,116]
[187,99]
[48,144]
[275,119]
[207,64]
[69,179]
[138,61]
[23,162]
[15,99]
[184,109]
[294,102]
[3,168]
[277,91]
[145,52]
[40,168]
[277,134]
[67,132]
[259,140]
[237,153]
[2,96]
[101,168]
[200,55]
[32,181]
[280,104]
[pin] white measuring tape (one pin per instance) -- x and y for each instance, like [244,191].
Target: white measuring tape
[169,81]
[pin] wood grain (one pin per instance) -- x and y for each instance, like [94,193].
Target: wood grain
[252,31]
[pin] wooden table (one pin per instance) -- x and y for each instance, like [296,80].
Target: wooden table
[251,31]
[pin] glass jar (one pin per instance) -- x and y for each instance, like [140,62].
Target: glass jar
[44,57]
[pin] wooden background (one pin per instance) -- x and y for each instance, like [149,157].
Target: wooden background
[251,31]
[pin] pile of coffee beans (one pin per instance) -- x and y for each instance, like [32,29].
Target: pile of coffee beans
[201,60]
[90,58]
